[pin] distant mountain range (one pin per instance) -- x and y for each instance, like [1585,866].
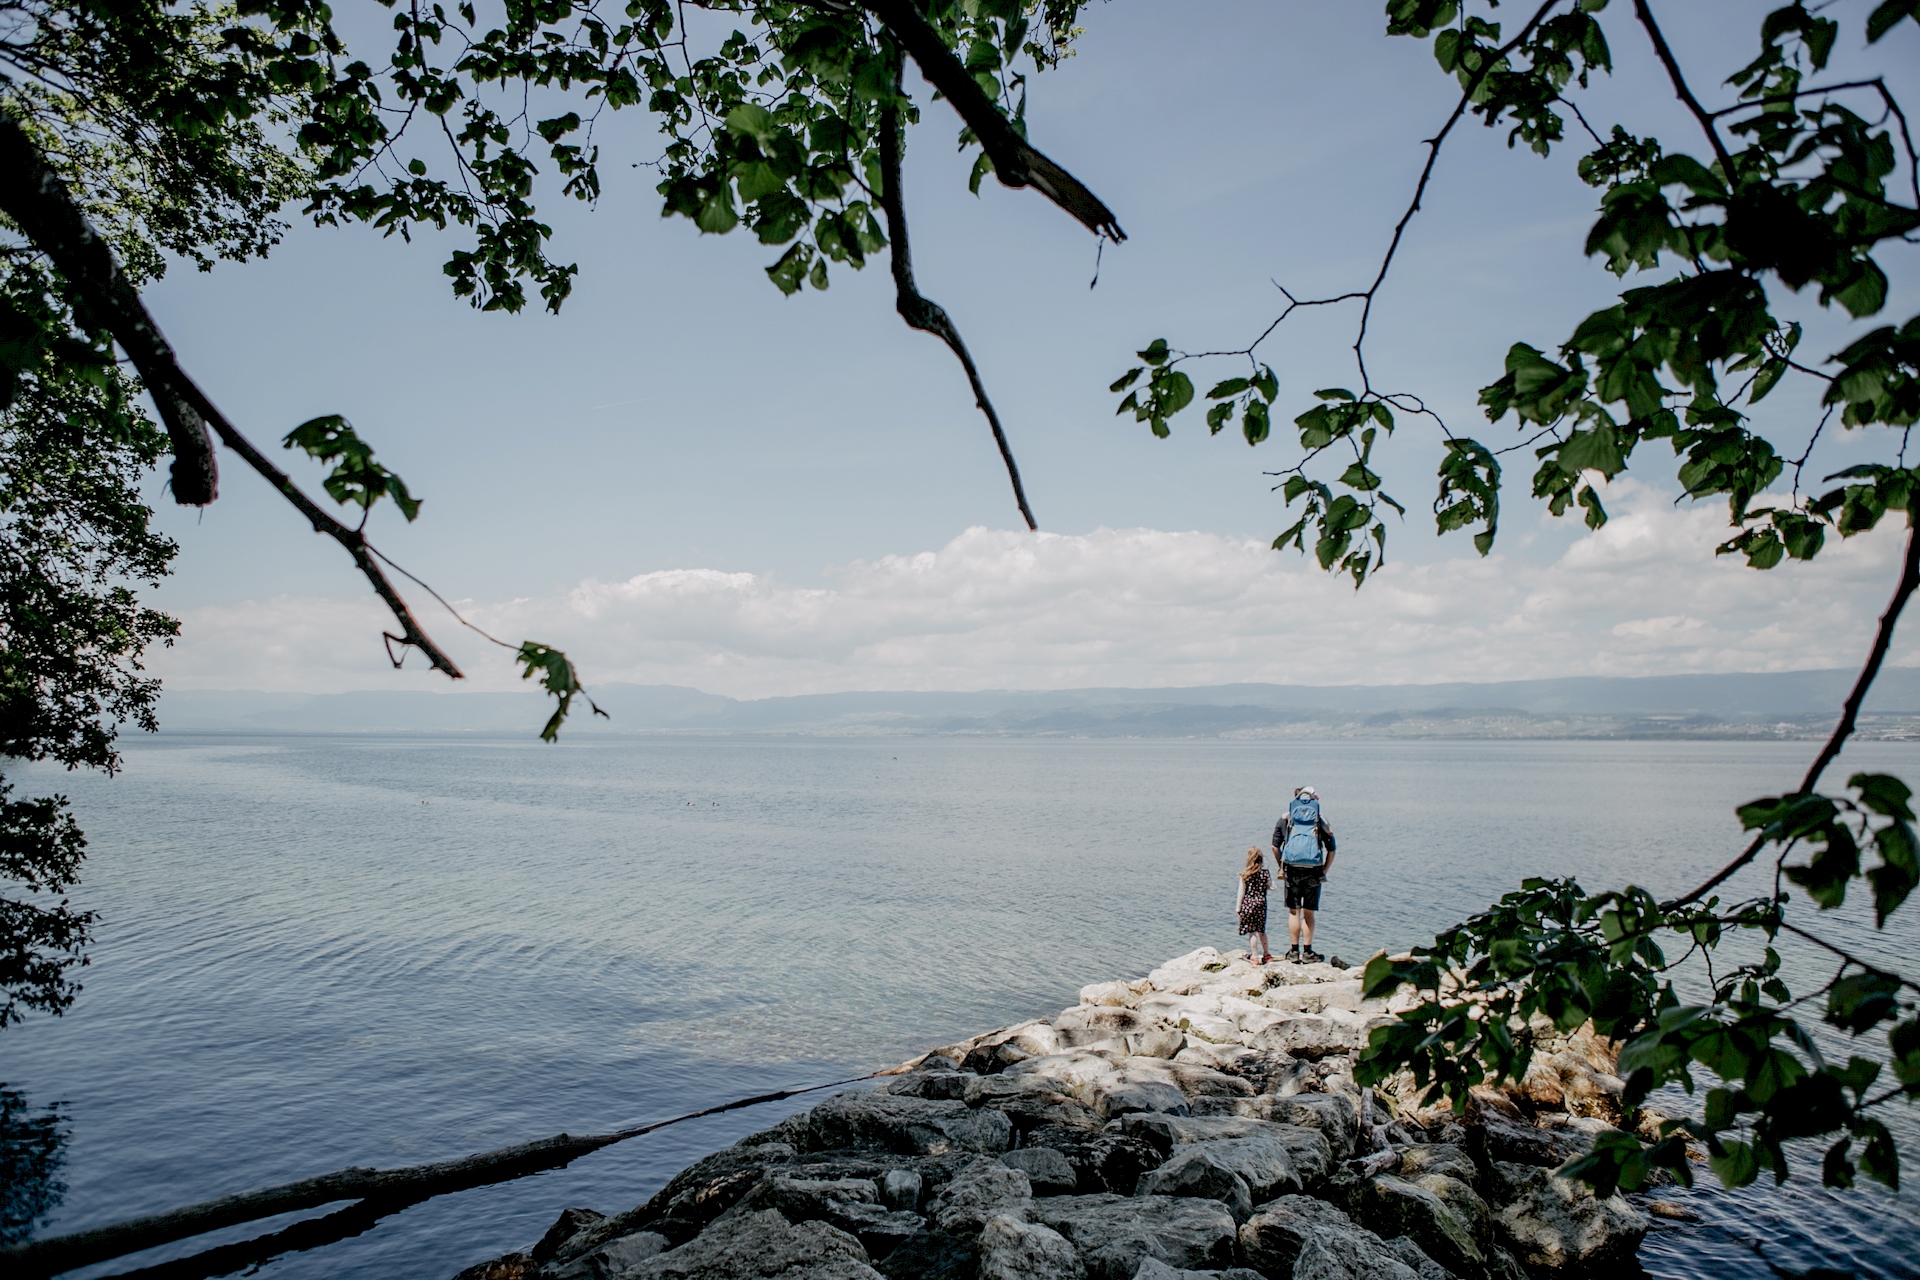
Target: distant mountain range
[1777,704]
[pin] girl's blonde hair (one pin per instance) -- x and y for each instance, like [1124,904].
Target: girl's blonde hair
[1255,861]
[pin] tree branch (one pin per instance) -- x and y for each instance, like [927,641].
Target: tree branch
[1680,88]
[1015,162]
[922,313]
[1849,957]
[40,204]
[1849,715]
[33,195]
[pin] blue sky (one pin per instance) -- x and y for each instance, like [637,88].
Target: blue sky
[680,416]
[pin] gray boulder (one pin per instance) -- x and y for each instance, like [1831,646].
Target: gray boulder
[938,1085]
[761,1246]
[1198,1172]
[1349,1255]
[614,1260]
[1439,1157]
[569,1224]
[984,1189]
[1392,1206]
[1050,1172]
[1014,1250]
[1115,1234]
[1554,1224]
[851,1204]
[991,1090]
[911,1126]
[1260,1161]
[1154,1269]
[1331,1114]
[1101,1161]
[900,1188]
[1411,1254]
[1308,1150]
[1271,1240]
[1119,1094]
[1460,1197]
[694,1197]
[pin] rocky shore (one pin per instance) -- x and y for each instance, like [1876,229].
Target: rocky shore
[1200,1121]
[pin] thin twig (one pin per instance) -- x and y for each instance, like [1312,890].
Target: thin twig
[1848,956]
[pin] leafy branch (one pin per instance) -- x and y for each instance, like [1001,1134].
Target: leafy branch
[1796,191]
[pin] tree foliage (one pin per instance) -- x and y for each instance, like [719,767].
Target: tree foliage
[1794,190]
[75,541]
[133,134]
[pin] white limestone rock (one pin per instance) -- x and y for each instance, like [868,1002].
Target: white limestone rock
[1554,1224]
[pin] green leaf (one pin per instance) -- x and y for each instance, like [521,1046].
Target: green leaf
[1884,794]
[1173,390]
[1734,1165]
[1595,450]
[1230,387]
[557,677]
[756,178]
[1127,379]
[751,120]
[1861,1001]
[1156,352]
[717,216]
[1888,15]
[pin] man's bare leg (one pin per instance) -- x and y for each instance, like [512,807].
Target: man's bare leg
[1294,925]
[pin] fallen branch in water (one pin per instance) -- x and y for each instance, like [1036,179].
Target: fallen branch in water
[398,1187]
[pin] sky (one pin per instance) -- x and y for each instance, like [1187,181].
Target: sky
[686,478]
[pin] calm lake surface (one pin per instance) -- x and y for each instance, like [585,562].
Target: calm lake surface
[327,951]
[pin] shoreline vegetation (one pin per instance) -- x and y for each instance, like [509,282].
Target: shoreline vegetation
[1200,1121]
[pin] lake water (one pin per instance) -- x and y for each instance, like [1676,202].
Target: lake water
[327,951]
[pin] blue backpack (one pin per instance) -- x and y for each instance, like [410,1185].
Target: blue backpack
[1303,844]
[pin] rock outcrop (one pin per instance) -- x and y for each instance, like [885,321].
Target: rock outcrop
[1200,1121]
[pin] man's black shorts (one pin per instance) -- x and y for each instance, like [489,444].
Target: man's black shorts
[1303,887]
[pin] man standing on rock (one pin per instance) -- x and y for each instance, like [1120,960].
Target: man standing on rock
[1303,846]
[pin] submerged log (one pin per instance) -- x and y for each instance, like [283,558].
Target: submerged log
[38,1258]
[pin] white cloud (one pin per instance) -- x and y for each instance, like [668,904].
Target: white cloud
[1143,607]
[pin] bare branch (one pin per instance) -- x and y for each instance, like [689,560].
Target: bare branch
[921,312]
[1680,88]
[1849,716]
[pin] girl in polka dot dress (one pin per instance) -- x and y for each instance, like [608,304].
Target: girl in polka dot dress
[1251,905]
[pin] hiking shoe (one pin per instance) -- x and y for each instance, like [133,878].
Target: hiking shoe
[1309,956]
[1292,955]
